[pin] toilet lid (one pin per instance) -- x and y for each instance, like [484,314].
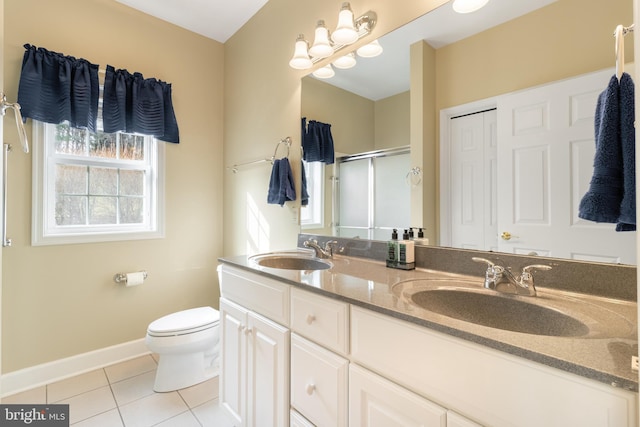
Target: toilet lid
[192,320]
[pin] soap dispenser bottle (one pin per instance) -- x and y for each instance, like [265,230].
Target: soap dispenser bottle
[406,252]
[392,250]
[421,240]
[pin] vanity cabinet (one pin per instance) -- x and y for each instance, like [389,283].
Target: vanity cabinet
[254,368]
[294,357]
[494,388]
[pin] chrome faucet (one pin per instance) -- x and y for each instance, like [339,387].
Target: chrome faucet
[326,252]
[497,275]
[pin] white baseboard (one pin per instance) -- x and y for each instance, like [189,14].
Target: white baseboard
[35,376]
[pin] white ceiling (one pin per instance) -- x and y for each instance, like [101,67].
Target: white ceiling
[373,78]
[215,19]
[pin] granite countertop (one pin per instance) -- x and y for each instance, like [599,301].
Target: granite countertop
[370,284]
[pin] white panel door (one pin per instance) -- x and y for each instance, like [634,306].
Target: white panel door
[473,181]
[233,371]
[268,373]
[377,402]
[545,152]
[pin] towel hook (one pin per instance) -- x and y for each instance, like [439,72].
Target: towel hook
[619,34]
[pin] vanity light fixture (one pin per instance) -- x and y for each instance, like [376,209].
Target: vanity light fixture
[325,72]
[370,50]
[301,60]
[348,31]
[321,46]
[345,62]
[468,6]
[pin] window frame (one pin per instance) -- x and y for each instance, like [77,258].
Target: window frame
[43,228]
[312,215]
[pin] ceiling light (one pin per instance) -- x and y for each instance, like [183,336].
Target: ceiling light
[345,32]
[325,72]
[370,50]
[301,60]
[345,62]
[321,46]
[468,6]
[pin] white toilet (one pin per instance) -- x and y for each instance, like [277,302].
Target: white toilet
[188,345]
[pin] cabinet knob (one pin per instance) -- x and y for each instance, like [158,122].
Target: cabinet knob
[310,318]
[310,389]
[248,331]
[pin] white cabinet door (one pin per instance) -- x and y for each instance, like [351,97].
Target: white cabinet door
[233,320]
[377,402]
[268,376]
[254,374]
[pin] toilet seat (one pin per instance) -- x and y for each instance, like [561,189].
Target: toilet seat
[184,322]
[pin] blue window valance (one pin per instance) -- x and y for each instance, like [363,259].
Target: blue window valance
[134,104]
[55,88]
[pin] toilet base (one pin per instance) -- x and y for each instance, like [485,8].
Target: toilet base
[178,371]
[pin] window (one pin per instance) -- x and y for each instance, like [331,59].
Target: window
[94,186]
[311,216]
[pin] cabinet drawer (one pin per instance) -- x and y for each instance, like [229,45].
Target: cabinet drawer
[318,383]
[320,319]
[260,294]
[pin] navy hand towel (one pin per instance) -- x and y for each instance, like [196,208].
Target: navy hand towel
[281,185]
[317,142]
[602,201]
[627,220]
[304,194]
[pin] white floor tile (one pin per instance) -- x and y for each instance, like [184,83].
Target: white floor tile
[36,396]
[200,393]
[186,419]
[152,409]
[108,419]
[211,414]
[134,388]
[130,368]
[76,385]
[90,404]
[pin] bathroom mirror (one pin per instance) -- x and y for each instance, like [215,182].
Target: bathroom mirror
[459,85]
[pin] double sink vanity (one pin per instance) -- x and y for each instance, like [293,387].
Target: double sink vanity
[344,340]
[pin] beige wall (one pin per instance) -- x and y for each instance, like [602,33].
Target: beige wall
[60,301]
[392,121]
[262,104]
[564,39]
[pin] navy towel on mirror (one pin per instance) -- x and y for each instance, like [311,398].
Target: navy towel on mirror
[602,201]
[627,220]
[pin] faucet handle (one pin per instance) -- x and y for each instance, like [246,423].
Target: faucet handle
[330,246]
[528,268]
[486,261]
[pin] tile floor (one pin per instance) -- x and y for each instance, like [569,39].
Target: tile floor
[122,395]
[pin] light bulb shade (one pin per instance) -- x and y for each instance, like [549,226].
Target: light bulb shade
[468,6]
[301,60]
[345,62]
[325,72]
[345,32]
[321,47]
[370,50]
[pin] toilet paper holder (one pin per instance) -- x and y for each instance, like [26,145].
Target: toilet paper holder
[122,277]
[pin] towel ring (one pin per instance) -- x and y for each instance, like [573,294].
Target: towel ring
[414,177]
[286,142]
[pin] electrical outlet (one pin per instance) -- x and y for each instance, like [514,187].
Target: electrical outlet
[634,363]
